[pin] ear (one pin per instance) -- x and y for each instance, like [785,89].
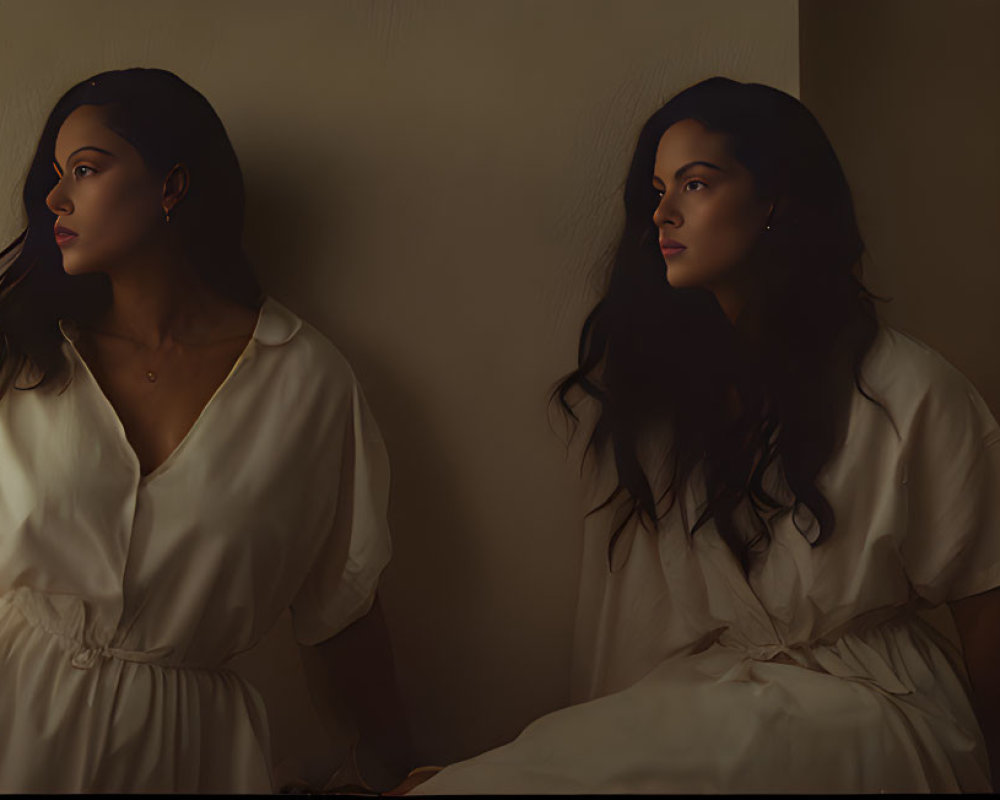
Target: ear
[775,210]
[175,187]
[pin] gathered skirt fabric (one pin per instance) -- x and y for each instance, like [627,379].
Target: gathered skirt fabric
[865,714]
[103,722]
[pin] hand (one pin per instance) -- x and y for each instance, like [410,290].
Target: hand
[414,779]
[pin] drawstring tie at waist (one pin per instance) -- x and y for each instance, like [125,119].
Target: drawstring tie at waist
[37,611]
[86,657]
[850,657]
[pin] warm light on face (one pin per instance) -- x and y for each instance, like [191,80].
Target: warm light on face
[708,214]
[105,195]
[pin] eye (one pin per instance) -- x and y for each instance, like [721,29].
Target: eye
[658,193]
[699,184]
[82,171]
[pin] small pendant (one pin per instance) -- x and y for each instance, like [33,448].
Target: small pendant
[151,376]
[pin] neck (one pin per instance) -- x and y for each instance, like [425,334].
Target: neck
[730,301]
[741,286]
[159,302]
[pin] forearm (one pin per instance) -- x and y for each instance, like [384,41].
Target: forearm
[385,752]
[977,619]
[989,721]
[994,750]
[352,680]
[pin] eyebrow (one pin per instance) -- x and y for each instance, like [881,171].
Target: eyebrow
[680,172]
[86,147]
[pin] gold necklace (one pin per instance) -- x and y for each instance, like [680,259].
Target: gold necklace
[151,375]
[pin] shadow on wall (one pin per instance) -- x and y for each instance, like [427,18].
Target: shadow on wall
[289,222]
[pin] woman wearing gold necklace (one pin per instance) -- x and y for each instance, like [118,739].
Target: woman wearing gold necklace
[181,459]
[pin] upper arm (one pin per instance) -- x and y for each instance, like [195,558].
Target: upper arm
[358,636]
[354,657]
[977,619]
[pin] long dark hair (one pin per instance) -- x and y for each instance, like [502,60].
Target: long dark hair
[655,356]
[167,122]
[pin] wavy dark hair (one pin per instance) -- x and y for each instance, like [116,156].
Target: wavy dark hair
[167,122]
[652,355]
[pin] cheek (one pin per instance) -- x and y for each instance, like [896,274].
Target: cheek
[731,231]
[123,213]
[116,220]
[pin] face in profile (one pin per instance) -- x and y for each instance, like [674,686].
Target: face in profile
[109,206]
[709,214]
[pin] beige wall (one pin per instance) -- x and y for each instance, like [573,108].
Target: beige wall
[908,92]
[429,183]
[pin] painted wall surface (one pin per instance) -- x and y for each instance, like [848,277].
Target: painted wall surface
[907,92]
[430,184]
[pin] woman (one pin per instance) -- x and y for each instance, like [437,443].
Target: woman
[181,459]
[782,484]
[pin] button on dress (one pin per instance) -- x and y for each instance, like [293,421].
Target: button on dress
[123,596]
[815,672]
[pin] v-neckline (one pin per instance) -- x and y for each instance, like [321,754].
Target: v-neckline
[173,454]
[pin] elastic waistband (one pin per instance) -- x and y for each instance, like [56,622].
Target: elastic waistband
[84,655]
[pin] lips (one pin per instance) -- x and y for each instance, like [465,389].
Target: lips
[669,247]
[63,235]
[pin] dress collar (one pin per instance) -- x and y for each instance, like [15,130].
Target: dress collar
[276,324]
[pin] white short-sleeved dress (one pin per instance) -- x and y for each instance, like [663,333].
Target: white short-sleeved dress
[122,596]
[812,674]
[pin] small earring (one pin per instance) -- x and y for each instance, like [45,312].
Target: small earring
[766,227]
[167,213]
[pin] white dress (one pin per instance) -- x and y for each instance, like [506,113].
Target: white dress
[123,596]
[814,674]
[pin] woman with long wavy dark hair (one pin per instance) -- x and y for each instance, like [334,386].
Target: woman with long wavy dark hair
[782,484]
[181,459]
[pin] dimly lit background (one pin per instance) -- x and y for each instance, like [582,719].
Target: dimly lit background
[432,184]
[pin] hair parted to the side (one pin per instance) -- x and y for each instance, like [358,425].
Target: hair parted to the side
[652,355]
[168,122]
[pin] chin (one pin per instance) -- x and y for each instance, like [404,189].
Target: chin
[690,276]
[86,261]
[72,268]
[75,266]
[682,279]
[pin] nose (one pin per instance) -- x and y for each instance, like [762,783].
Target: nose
[57,201]
[666,213]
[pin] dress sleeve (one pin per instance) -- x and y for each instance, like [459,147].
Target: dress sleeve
[341,584]
[951,547]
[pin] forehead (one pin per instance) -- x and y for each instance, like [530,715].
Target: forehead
[85,127]
[688,140]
